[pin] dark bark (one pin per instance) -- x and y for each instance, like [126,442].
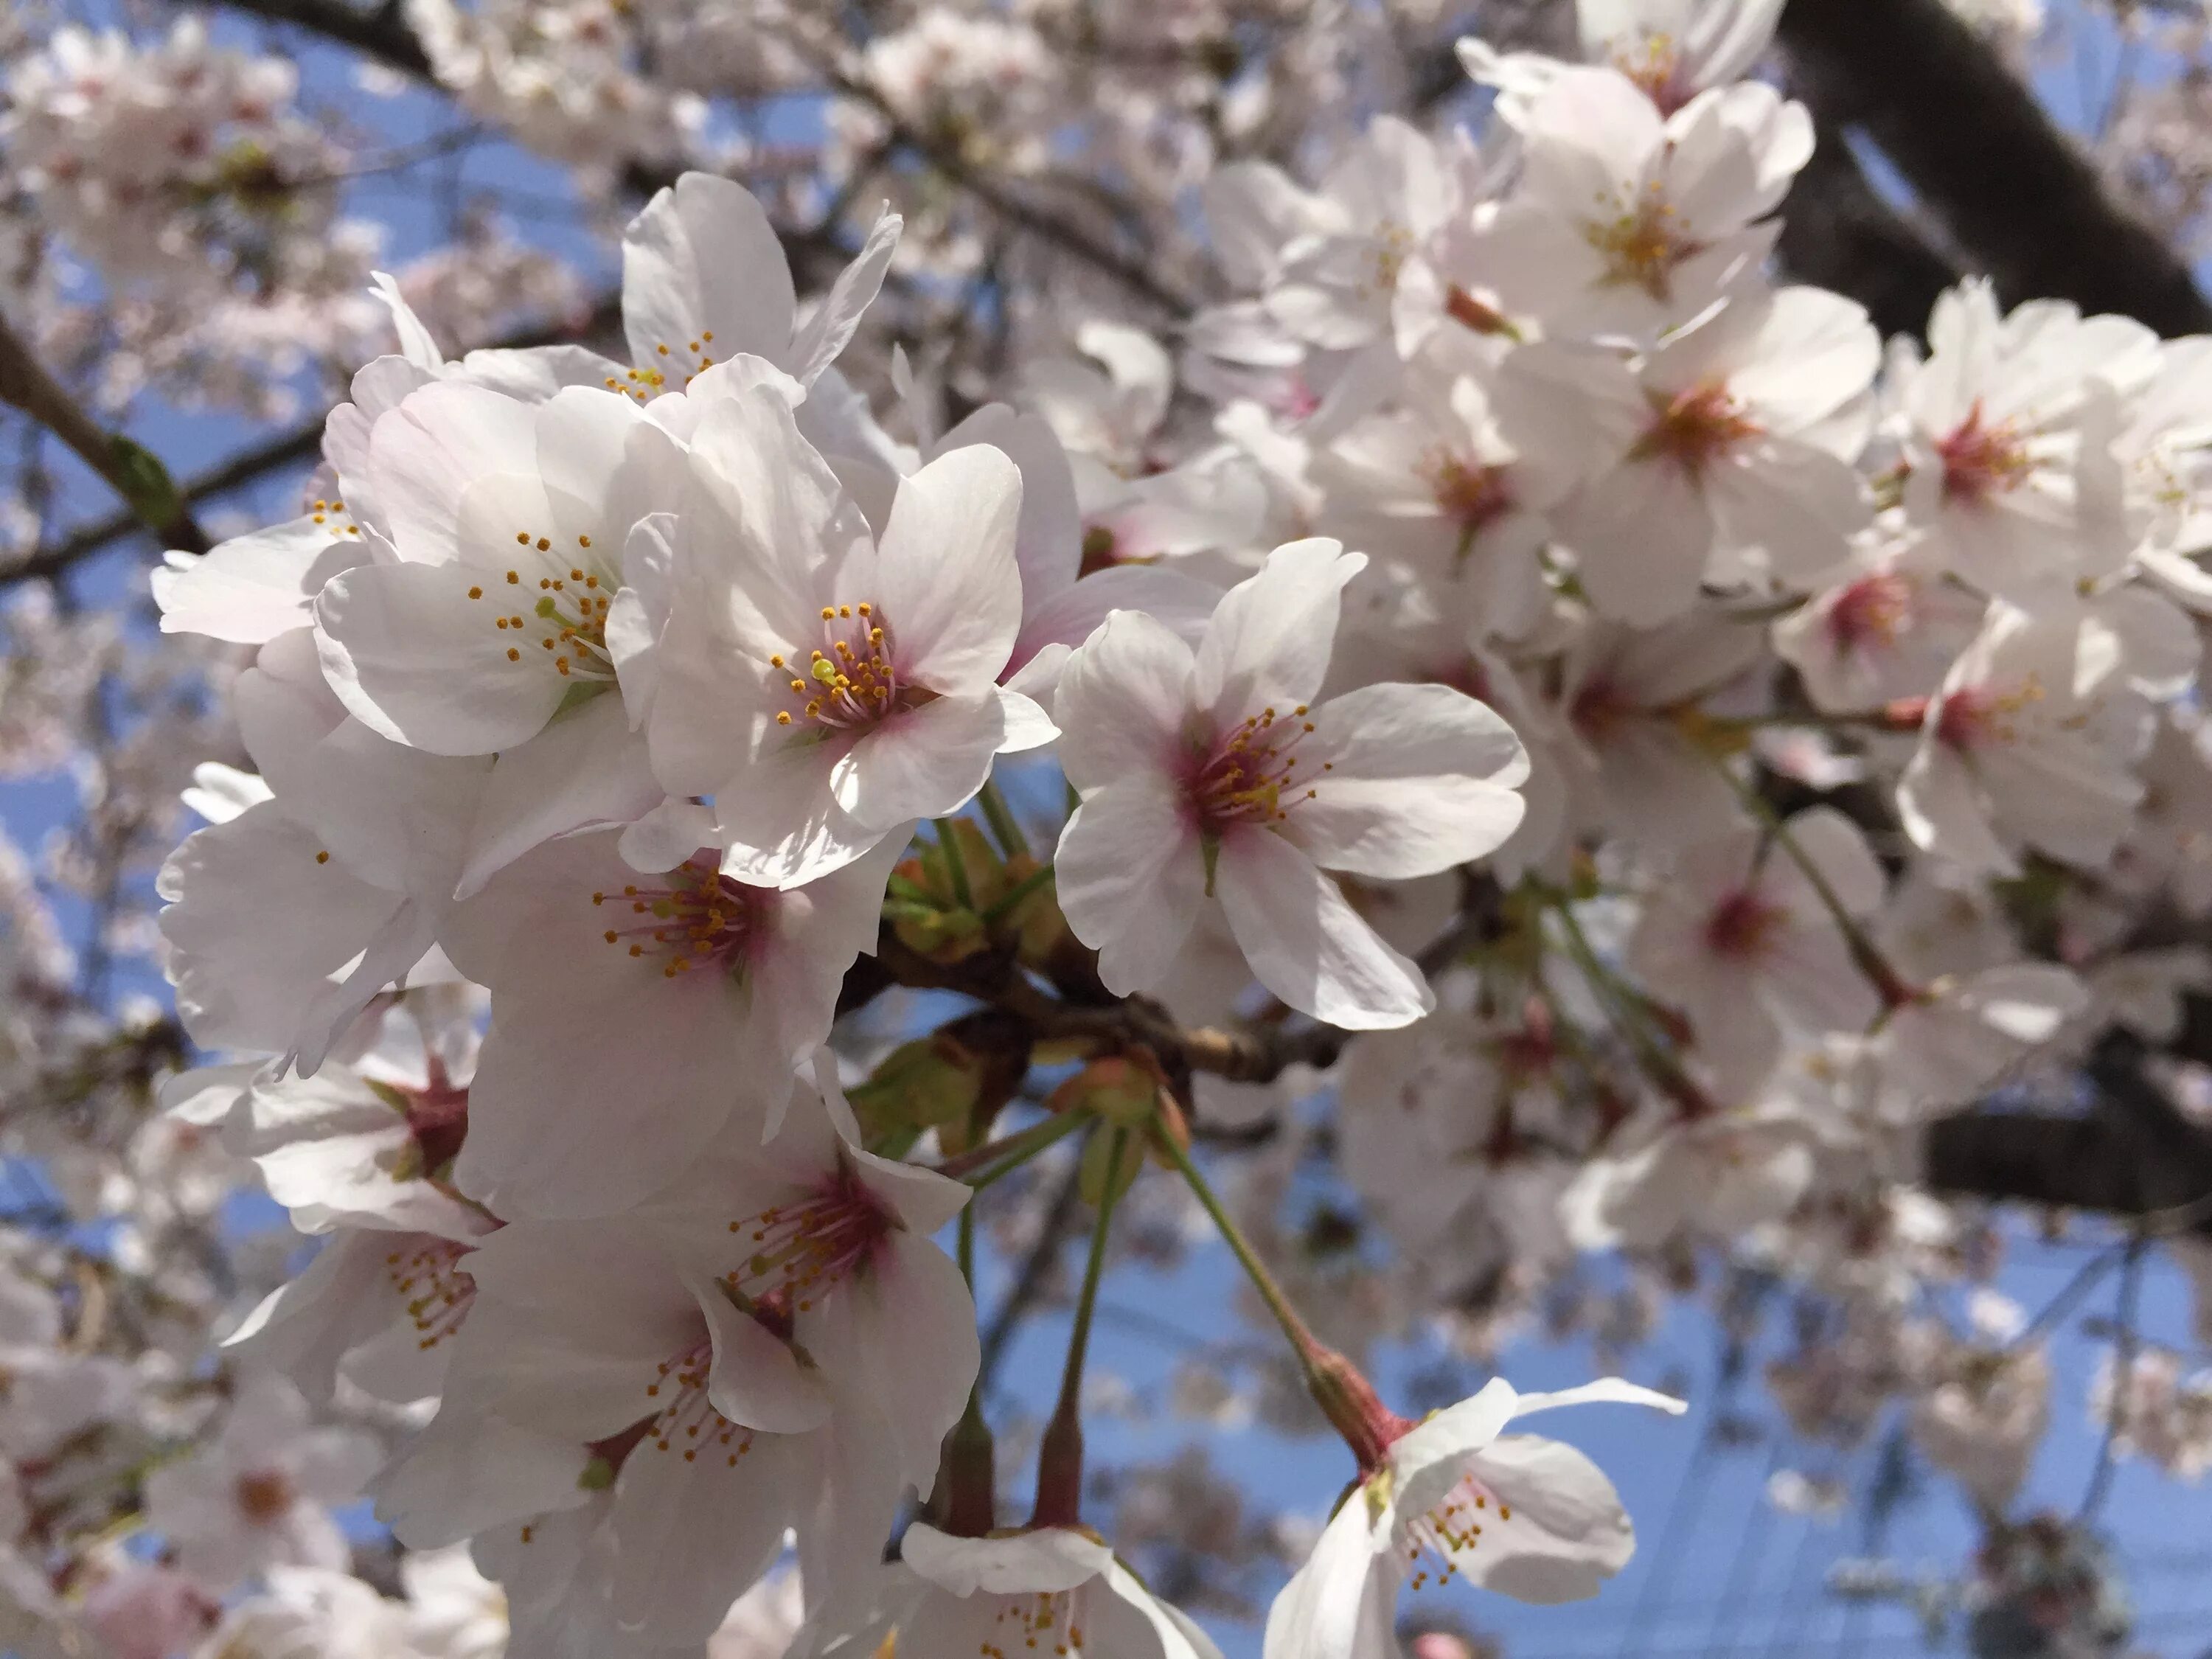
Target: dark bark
[1837,231]
[1983,158]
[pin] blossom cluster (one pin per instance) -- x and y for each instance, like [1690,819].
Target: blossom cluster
[1505,696]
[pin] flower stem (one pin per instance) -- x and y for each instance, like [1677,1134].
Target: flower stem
[1060,1459]
[1890,985]
[1345,1397]
[956,869]
[1005,827]
[1002,1156]
[1006,902]
[1629,1020]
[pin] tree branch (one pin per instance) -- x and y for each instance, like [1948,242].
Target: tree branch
[2012,189]
[1837,231]
[132,472]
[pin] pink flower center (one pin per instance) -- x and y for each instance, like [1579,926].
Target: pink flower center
[1470,494]
[1869,611]
[1980,460]
[265,1496]
[804,1250]
[683,1418]
[1248,777]
[437,1119]
[1695,428]
[436,1290]
[700,918]
[1653,62]
[1643,243]
[1742,925]
[849,682]
[1600,709]
[1977,714]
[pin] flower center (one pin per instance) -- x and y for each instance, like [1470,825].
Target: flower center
[1248,778]
[265,1496]
[565,626]
[691,361]
[683,1418]
[850,681]
[1435,1542]
[700,918]
[1869,611]
[1742,925]
[1695,428]
[1643,243]
[1977,715]
[1471,496]
[805,1249]
[437,1292]
[1035,1625]
[1600,709]
[1980,460]
[1652,61]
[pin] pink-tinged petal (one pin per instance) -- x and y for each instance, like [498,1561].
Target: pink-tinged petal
[1641,536]
[1427,1459]
[586,769]
[668,835]
[1042,1562]
[945,582]
[1605,1391]
[1941,808]
[1131,879]
[466,1474]
[411,651]
[913,1320]
[780,826]
[703,258]
[1345,1598]
[1568,1533]
[1123,699]
[1048,534]
[1405,781]
[246,976]
[828,329]
[253,587]
[1182,603]
[757,1379]
[1306,944]
[690,1535]
[1271,634]
[587,1113]
[1025,724]
[921,763]
[426,453]
[572,1324]
[386,958]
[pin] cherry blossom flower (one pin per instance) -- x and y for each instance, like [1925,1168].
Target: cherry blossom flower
[1206,775]
[850,685]
[634,1015]
[257,1497]
[1047,1589]
[1457,1496]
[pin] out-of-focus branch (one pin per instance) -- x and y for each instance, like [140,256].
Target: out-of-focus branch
[380,32]
[251,466]
[1837,231]
[2134,1156]
[132,472]
[2013,191]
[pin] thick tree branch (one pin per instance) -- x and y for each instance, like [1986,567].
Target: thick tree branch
[2134,1156]
[1836,231]
[380,32]
[2012,189]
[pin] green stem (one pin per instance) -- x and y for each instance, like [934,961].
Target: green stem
[956,870]
[1002,1156]
[1005,827]
[1060,1458]
[1003,905]
[1629,1019]
[1302,1340]
[1892,986]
